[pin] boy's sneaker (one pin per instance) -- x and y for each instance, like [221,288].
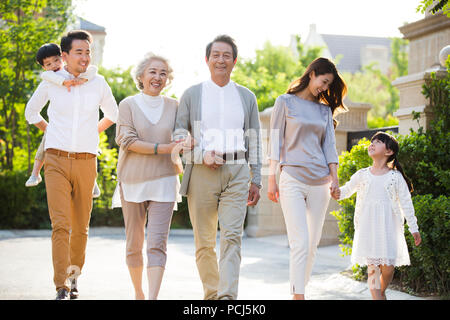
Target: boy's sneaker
[62,294]
[73,290]
[96,192]
[73,272]
[33,181]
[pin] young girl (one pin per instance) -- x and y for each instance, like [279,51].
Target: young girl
[383,201]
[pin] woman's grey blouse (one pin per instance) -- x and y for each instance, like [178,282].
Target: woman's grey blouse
[302,139]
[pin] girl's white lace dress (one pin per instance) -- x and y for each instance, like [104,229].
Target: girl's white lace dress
[379,235]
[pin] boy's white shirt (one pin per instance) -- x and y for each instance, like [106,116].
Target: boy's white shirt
[53,77]
[396,188]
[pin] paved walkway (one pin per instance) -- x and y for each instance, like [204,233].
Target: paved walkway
[26,269]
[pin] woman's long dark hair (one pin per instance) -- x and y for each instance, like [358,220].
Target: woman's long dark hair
[392,144]
[336,92]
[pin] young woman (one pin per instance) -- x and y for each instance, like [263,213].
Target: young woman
[383,201]
[302,145]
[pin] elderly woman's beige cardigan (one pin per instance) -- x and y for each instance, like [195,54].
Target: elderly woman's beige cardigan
[133,125]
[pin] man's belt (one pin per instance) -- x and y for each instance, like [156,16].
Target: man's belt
[71,155]
[233,156]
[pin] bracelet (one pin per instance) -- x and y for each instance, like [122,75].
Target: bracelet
[156,148]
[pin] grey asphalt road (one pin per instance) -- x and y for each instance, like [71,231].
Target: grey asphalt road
[26,271]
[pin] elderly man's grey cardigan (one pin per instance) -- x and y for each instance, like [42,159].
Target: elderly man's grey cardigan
[189,119]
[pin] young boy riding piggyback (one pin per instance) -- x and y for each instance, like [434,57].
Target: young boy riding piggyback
[49,57]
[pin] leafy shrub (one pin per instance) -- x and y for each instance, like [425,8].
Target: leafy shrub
[26,208]
[426,161]
[22,207]
[430,261]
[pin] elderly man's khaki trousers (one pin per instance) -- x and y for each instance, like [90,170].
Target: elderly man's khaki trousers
[69,184]
[218,196]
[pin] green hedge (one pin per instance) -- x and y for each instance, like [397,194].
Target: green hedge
[430,261]
[22,207]
[26,208]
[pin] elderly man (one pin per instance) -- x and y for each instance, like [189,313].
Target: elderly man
[223,173]
[70,155]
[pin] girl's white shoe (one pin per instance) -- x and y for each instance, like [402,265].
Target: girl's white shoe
[33,181]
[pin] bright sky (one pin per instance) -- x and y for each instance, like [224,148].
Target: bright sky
[181,29]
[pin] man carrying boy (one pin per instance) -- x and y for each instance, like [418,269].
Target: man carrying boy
[49,57]
[70,155]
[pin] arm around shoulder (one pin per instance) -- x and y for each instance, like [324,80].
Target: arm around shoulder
[53,77]
[90,73]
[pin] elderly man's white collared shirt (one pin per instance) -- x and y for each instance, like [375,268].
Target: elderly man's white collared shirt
[73,116]
[222,118]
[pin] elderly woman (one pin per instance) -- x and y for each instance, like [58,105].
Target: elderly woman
[147,170]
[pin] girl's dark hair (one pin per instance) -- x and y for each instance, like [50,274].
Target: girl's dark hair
[223,38]
[47,50]
[336,92]
[392,144]
[66,41]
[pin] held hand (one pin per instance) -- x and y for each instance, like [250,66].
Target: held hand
[336,195]
[212,161]
[67,84]
[272,190]
[334,188]
[253,195]
[188,143]
[417,238]
[169,148]
[73,82]
[78,81]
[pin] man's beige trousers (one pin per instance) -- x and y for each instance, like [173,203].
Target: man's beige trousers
[218,196]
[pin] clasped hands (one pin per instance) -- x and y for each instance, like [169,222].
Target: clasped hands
[73,82]
[273,192]
[335,192]
[213,160]
[181,145]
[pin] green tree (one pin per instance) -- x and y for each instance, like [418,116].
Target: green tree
[374,87]
[307,55]
[121,82]
[441,5]
[122,86]
[398,68]
[24,27]
[367,87]
[271,71]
